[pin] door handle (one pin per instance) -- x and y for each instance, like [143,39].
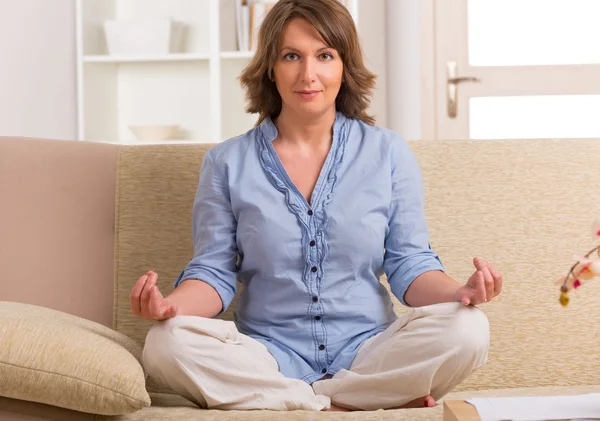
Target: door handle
[452,82]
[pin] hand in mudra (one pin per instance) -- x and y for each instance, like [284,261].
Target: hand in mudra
[147,302]
[483,285]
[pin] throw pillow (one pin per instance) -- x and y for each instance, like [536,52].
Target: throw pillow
[55,358]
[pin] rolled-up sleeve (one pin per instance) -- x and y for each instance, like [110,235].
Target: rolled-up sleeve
[407,250]
[214,230]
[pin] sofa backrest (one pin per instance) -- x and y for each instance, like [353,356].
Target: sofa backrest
[525,205]
[156,185]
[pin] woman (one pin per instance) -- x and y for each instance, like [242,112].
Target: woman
[306,211]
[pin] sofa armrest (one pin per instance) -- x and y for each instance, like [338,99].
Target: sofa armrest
[57,225]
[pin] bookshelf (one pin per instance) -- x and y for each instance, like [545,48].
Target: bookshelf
[195,88]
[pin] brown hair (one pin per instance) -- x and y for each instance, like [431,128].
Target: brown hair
[335,25]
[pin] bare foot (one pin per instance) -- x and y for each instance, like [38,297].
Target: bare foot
[424,402]
[334,408]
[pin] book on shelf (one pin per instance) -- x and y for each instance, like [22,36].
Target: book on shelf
[249,16]
[242,15]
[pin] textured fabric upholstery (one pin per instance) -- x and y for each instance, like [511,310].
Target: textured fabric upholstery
[525,205]
[56,358]
[155,193]
[174,408]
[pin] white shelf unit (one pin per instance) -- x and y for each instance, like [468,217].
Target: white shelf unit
[198,89]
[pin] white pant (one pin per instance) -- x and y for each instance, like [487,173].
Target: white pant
[427,351]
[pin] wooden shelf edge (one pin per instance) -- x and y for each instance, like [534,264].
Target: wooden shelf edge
[237,54]
[130,58]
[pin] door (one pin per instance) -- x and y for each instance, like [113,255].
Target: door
[516,69]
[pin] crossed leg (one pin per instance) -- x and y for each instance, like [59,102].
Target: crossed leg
[416,361]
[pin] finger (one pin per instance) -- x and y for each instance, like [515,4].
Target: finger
[472,282]
[136,291]
[497,279]
[489,283]
[171,312]
[147,291]
[480,292]
[479,263]
[483,266]
[154,306]
[464,294]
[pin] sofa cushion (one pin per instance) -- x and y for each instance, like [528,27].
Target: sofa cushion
[171,408]
[63,360]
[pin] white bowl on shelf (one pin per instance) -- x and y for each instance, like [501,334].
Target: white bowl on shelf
[154,132]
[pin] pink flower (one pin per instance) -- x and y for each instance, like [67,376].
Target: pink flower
[594,267]
[586,268]
[582,271]
[596,228]
[570,284]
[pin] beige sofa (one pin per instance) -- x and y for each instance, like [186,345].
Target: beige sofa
[79,223]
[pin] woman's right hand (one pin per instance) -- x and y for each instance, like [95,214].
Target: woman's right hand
[147,302]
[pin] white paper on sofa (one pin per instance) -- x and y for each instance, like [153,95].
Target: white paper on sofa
[538,408]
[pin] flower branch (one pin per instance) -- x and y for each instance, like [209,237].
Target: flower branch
[584,269]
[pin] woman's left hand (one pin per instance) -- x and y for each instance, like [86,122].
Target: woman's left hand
[482,286]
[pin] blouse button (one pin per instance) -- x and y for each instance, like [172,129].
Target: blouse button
[324,371]
[313,243]
[317,318]
[315,299]
[321,347]
[313,269]
[310,212]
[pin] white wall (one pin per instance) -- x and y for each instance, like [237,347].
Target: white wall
[37,71]
[372,30]
[404,72]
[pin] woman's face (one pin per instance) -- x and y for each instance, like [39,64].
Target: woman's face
[308,73]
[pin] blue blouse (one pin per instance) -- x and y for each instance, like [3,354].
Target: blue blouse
[308,272]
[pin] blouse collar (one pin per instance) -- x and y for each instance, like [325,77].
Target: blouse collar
[270,132]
